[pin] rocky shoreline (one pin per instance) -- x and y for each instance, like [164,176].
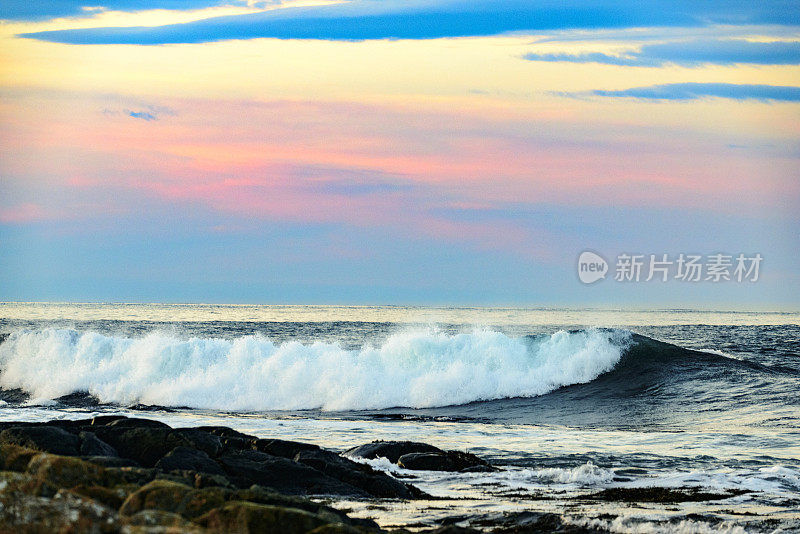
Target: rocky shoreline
[120,474]
[111,474]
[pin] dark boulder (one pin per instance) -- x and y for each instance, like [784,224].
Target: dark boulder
[14,396]
[111,461]
[392,450]
[664,495]
[73,425]
[286,476]
[262,495]
[426,461]
[234,444]
[144,444]
[42,438]
[103,420]
[159,521]
[280,447]
[174,497]
[133,422]
[78,399]
[361,476]
[113,498]
[241,516]
[191,502]
[70,512]
[230,440]
[184,458]
[15,458]
[201,440]
[66,472]
[224,432]
[466,460]
[419,456]
[91,445]
[444,461]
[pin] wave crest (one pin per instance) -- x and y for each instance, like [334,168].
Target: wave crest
[416,369]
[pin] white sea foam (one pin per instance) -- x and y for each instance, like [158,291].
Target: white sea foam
[421,368]
[527,479]
[629,525]
[777,479]
[587,474]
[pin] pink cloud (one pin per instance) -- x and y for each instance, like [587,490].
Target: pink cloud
[295,161]
[23,213]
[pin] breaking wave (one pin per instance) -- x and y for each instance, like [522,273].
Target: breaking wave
[415,369]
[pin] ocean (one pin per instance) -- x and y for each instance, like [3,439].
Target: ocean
[568,402]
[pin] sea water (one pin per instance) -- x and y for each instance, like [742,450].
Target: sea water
[567,401]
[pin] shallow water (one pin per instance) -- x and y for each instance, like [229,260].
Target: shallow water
[668,398]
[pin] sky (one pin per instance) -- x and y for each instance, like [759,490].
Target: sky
[420,152]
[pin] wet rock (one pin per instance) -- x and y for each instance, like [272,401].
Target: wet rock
[426,461]
[155,520]
[102,420]
[241,516]
[391,450]
[184,458]
[286,476]
[336,529]
[230,440]
[134,422]
[262,495]
[14,395]
[67,472]
[206,480]
[73,425]
[42,438]
[667,495]
[15,458]
[12,482]
[442,461]
[191,503]
[224,432]
[137,475]
[144,444]
[283,448]
[207,442]
[113,498]
[133,475]
[91,445]
[78,399]
[361,476]
[65,512]
[234,444]
[171,497]
[111,461]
